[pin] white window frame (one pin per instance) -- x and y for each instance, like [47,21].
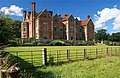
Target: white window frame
[45,24]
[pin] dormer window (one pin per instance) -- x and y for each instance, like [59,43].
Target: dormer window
[55,20]
[45,15]
[45,24]
[25,28]
[71,20]
[71,27]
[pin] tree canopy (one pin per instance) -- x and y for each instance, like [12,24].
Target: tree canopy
[101,35]
[115,37]
[9,29]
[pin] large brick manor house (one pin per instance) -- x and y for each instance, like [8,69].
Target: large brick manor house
[48,26]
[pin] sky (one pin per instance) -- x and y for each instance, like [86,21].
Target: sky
[104,13]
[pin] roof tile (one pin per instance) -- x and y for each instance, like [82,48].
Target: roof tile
[84,22]
[65,17]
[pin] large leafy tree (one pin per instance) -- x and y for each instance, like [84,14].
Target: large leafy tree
[5,29]
[9,29]
[16,28]
[101,35]
[115,37]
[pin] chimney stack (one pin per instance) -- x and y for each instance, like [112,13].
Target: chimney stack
[88,16]
[51,12]
[66,14]
[29,13]
[33,6]
[24,12]
[33,19]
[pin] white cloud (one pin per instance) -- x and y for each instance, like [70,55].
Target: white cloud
[12,10]
[115,6]
[5,10]
[107,14]
[105,27]
[116,23]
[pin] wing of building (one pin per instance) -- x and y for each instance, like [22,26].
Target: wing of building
[48,26]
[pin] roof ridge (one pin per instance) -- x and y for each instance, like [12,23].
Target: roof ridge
[84,22]
[43,11]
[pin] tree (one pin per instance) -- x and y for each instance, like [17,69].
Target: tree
[5,29]
[9,29]
[115,37]
[101,35]
[16,28]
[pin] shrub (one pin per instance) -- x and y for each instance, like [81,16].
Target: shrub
[69,42]
[13,42]
[28,44]
[58,43]
[34,42]
[113,43]
[85,43]
[42,44]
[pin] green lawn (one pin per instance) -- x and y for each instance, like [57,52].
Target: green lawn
[52,48]
[108,67]
[33,54]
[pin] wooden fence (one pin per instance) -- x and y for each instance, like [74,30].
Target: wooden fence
[28,59]
[45,57]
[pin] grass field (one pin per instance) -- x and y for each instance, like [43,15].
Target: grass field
[51,48]
[33,54]
[108,67]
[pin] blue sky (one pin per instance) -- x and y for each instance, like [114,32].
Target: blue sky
[103,12]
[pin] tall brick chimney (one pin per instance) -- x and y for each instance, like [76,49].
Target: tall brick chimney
[33,19]
[29,13]
[33,6]
[24,12]
[88,17]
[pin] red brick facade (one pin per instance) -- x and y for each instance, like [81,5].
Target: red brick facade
[59,29]
[47,26]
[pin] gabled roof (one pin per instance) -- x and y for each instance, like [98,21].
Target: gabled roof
[66,17]
[37,14]
[40,13]
[56,15]
[84,22]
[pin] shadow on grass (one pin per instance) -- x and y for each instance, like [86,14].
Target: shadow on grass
[28,70]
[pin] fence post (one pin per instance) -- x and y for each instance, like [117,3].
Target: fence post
[119,51]
[107,51]
[44,56]
[68,55]
[84,53]
[96,53]
[76,55]
[111,51]
[57,56]
[17,56]
[116,51]
[32,57]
